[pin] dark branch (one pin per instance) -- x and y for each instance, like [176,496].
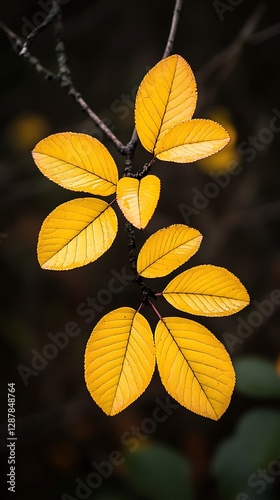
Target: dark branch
[173,29]
[168,49]
[65,80]
[63,76]
[231,52]
[64,73]
[31,37]
[18,44]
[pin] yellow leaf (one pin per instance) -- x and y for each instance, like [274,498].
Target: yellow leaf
[167,249]
[119,359]
[208,291]
[78,162]
[138,199]
[194,366]
[76,233]
[191,140]
[167,95]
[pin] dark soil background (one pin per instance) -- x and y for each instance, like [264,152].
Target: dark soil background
[62,435]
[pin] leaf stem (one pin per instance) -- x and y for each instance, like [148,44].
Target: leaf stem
[155,309]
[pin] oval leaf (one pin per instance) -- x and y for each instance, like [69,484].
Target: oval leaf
[78,162]
[167,249]
[138,199]
[194,366]
[119,359]
[208,291]
[76,233]
[192,140]
[167,95]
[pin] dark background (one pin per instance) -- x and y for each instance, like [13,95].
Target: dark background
[60,430]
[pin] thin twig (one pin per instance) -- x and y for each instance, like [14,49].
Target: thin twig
[173,29]
[63,77]
[31,37]
[168,49]
[32,60]
[233,50]
[64,73]
[265,34]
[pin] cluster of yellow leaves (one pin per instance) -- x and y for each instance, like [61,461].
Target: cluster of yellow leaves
[81,230]
[120,355]
[194,366]
[165,103]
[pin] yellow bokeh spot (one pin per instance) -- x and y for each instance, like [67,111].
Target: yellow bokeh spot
[224,158]
[26,129]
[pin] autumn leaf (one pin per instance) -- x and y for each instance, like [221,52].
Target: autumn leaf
[191,141]
[194,366]
[78,162]
[138,199]
[119,359]
[165,103]
[208,291]
[76,233]
[167,249]
[167,95]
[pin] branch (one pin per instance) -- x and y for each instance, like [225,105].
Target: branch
[168,49]
[65,80]
[173,29]
[32,60]
[31,37]
[265,34]
[231,52]
[63,76]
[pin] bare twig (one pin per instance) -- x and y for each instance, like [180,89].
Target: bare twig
[31,37]
[168,49]
[265,34]
[32,60]
[63,76]
[173,29]
[231,52]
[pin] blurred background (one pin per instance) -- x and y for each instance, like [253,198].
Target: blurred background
[67,448]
